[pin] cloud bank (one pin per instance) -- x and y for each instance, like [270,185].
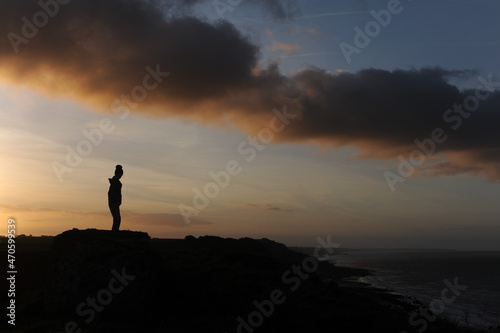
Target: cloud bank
[97,51]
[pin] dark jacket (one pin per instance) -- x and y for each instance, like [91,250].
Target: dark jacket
[115,191]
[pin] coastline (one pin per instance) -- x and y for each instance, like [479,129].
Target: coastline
[462,313]
[204,284]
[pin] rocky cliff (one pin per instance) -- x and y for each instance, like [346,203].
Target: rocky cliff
[101,281]
[83,262]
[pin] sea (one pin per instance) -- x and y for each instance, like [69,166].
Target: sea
[422,275]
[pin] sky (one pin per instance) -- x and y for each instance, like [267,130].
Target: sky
[373,123]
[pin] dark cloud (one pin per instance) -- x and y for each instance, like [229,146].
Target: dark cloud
[383,113]
[278,9]
[392,108]
[449,169]
[269,207]
[251,205]
[277,209]
[96,51]
[99,49]
[281,9]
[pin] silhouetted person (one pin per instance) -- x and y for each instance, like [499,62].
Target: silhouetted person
[115,197]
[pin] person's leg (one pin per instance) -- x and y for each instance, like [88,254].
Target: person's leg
[117,219]
[115,212]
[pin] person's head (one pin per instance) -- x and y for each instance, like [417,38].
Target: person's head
[118,171]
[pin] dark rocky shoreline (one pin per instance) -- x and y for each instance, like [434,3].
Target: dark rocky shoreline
[102,281]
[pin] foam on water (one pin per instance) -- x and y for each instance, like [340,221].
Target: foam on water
[421,275]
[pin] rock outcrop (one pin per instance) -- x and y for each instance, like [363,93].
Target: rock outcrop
[83,262]
[103,281]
